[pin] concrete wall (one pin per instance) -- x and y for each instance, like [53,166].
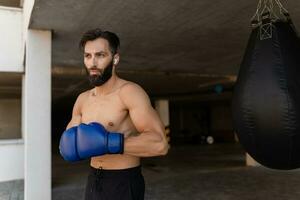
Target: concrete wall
[11,3]
[11,40]
[11,60]
[10,118]
[221,122]
[12,160]
[191,120]
[13,165]
[11,142]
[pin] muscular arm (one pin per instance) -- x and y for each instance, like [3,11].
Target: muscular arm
[151,141]
[76,113]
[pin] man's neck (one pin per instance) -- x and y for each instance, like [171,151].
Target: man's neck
[106,88]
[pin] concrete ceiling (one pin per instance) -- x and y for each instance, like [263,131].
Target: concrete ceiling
[190,36]
[169,47]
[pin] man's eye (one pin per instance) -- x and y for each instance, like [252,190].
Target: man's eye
[87,55]
[100,55]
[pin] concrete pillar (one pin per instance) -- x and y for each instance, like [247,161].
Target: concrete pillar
[250,161]
[37,116]
[162,107]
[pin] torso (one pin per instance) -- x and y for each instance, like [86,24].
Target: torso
[110,111]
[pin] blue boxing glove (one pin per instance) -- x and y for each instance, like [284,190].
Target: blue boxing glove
[94,140]
[87,140]
[68,145]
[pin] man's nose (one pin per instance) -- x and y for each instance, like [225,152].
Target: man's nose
[94,61]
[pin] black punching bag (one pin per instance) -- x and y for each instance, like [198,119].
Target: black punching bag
[266,99]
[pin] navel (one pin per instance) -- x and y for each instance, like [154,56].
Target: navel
[110,124]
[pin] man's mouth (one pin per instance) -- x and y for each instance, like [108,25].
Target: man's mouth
[94,71]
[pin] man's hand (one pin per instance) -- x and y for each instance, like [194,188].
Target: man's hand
[88,140]
[68,146]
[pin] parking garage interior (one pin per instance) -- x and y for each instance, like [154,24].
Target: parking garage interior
[185,53]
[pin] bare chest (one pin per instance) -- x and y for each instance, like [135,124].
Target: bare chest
[107,110]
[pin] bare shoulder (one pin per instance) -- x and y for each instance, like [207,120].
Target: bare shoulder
[131,89]
[82,97]
[129,86]
[132,93]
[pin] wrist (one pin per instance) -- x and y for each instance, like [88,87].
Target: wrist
[115,143]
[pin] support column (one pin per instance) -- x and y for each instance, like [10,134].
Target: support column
[162,107]
[37,116]
[250,161]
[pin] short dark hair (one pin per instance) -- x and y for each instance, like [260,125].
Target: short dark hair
[112,38]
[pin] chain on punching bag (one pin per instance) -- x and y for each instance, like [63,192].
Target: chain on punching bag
[266,100]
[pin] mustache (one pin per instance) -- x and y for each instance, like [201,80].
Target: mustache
[95,69]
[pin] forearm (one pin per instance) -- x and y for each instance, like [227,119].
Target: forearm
[146,145]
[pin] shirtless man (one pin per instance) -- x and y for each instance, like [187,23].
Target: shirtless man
[114,124]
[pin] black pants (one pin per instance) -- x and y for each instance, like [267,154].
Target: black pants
[124,184]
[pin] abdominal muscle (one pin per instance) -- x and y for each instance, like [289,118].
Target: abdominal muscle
[114,161]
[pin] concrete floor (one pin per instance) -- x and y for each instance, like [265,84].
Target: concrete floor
[194,172]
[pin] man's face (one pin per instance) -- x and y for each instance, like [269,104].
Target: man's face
[98,61]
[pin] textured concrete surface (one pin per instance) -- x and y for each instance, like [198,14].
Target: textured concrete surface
[158,38]
[12,190]
[193,172]
[172,35]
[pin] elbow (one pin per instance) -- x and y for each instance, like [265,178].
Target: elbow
[163,149]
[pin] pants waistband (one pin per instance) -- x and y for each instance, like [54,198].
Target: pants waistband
[116,172]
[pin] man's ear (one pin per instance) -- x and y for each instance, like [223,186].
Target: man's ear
[116,59]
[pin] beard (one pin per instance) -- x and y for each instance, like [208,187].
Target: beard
[103,77]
